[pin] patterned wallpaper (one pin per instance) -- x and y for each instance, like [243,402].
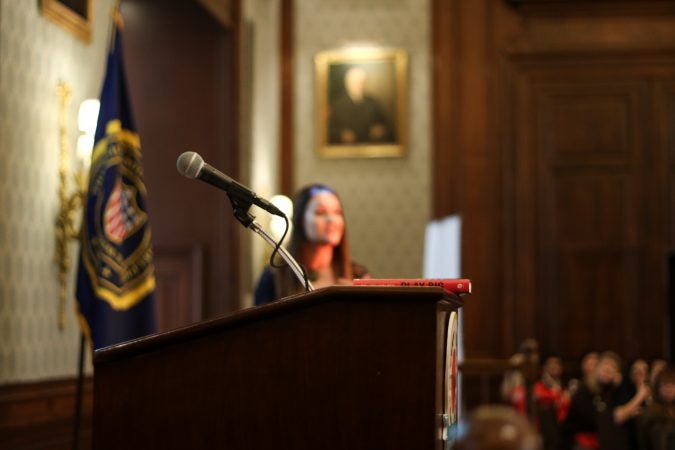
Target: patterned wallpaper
[35,54]
[387,201]
[260,133]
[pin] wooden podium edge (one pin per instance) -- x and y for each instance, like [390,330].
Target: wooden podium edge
[285,305]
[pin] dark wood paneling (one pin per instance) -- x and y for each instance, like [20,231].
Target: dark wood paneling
[587,125]
[183,71]
[41,415]
[585,171]
[665,107]
[481,381]
[466,168]
[446,194]
[180,285]
[563,124]
[286,126]
[560,8]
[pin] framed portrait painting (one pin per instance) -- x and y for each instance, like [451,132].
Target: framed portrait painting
[73,15]
[361,102]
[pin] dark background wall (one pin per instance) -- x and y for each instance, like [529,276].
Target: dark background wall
[182,66]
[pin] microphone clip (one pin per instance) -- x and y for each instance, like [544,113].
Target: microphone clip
[240,209]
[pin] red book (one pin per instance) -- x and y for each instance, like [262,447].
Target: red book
[459,286]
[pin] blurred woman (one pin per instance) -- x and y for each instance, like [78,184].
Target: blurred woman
[318,242]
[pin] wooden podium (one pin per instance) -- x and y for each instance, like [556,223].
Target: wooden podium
[338,368]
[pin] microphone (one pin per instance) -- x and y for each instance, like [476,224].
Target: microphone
[191,165]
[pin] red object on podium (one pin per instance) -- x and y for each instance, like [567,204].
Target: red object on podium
[459,286]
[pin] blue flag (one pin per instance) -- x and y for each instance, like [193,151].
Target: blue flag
[115,279]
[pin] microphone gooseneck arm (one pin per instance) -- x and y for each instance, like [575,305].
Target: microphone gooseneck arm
[292,263]
[242,214]
[240,208]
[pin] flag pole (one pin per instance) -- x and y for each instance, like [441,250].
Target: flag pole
[78,395]
[117,22]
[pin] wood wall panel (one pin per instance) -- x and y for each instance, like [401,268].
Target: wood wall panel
[582,165]
[445,113]
[564,132]
[666,140]
[180,285]
[40,415]
[586,125]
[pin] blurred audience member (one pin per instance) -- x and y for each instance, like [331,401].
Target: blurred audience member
[657,425]
[655,369]
[518,383]
[549,389]
[596,411]
[637,375]
[552,402]
[587,364]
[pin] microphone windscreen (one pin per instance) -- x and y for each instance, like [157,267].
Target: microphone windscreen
[189,164]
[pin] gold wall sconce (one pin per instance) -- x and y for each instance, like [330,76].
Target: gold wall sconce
[71,198]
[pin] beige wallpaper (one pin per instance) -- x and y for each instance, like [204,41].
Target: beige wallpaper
[34,55]
[260,125]
[387,201]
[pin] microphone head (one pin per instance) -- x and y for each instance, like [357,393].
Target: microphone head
[189,164]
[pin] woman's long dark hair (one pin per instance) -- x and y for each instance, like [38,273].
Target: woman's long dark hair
[342,265]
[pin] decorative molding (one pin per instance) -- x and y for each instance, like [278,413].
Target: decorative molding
[599,7]
[76,19]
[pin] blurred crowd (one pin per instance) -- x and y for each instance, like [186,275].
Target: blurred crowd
[609,406]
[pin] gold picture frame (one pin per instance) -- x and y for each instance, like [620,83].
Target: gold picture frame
[73,15]
[361,101]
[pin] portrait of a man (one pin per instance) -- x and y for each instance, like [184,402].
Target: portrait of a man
[361,103]
[355,115]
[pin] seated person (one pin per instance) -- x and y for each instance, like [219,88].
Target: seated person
[318,242]
[657,425]
[598,411]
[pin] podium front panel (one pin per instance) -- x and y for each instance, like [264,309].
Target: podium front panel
[338,368]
